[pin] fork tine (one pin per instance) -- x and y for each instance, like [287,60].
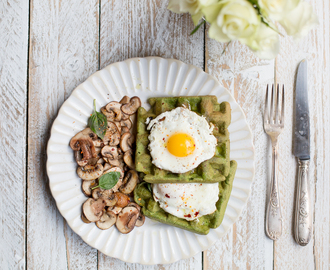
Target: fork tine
[283,107]
[277,108]
[272,105]
[266,115]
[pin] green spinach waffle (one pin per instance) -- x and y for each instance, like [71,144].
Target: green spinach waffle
[210,171]
[150,208]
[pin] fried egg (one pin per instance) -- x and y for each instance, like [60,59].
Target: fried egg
[187,201]
[180,140]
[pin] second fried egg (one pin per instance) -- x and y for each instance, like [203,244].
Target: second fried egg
[180,140]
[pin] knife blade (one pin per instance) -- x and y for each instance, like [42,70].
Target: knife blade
[301,149]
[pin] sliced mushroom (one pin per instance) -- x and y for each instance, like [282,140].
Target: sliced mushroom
[97,193]
[83,141]
[128,159]
[111,199]
[93,209]
[84,219]
[106,167]
[126,219]
[111,152]
[124,130]
[78,157]
[140,220]
[124,100]
[114,162]
[138,207]
[129,182]
[87,187]
[116,210]
[90,172]
[132,106]
[118,124]
[101,161]
[122,199]
[107,220]
[98,143]
[112,135]
[114,111]
[125,143]
[126,123]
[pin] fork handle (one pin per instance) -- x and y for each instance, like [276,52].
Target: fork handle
[303,216]
[273,213]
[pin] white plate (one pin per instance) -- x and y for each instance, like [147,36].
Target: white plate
[153,243]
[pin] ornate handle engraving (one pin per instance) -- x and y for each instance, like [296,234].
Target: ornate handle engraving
[273,213]
[303,216]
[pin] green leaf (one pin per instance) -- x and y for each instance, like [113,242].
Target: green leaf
[98,123]
[197,27]
[108,180]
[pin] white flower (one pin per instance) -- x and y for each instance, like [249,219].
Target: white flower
[265,43]
[277,9]
[232,19]
[300,21]
[192,6]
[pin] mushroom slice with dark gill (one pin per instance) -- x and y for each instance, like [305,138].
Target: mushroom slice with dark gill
[114,111]
[83,141]
[125,143]
[128,159]
[126,123]
[112,135]
[129,182]
[86,187]
[126,219]
[93,209]
[90,172]
[111,152]
[107,220]
[132,106]
[140,220]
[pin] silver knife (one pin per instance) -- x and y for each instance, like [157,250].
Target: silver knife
[303,226]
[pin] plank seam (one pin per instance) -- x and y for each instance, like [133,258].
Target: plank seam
[27,134]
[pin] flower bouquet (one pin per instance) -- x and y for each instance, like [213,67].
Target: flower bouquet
[252,22]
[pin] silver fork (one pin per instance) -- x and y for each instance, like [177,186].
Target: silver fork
[273,125]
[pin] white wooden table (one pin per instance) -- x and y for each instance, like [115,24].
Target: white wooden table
[48,47]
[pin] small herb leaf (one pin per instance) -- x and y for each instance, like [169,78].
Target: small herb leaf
[108,180]
[98,123]
[149,187]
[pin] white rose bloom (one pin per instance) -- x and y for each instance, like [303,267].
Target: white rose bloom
[236,19]
[277,9]
[192,6]
[265,43]
[300,21]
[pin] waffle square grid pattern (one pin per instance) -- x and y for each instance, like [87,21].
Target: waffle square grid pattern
[213,170]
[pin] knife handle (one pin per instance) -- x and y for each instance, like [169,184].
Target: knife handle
[303,214]
[273,213]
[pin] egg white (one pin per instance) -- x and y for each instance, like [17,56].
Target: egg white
[187,201]
[180,120]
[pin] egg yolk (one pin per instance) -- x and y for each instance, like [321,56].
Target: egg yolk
[181,145]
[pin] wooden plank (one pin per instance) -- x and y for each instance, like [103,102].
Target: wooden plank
[13,78]
[314,48]
[245,246]
[63,53]
[139,29]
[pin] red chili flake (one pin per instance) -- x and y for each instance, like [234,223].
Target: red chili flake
[189,216]
[196,214]
[167,196]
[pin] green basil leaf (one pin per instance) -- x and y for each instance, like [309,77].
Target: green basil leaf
[109,180]
[98,123]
